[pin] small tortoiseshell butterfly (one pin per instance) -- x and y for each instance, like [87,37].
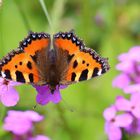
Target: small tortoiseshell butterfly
[34,62]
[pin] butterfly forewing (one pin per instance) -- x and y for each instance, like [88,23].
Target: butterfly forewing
[82,63]
[21,64]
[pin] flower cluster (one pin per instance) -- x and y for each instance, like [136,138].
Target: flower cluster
[45,96]
[20,123]
[9,96]
[129,79]
[123,117]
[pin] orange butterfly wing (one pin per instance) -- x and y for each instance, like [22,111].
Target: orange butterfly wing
[83,63]
[20,64]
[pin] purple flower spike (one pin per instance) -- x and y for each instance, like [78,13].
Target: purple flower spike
[115,122]
[132,106]
[45,96]
[21,122]
[8,95]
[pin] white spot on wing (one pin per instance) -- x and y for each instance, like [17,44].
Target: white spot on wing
[99,72]
[3,74]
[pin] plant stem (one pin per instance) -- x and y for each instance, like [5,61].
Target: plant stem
[46,13]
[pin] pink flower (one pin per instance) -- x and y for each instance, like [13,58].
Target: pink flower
[8,95]
[130,67]
[45,96]
[121,81]
[21,122]
[115,122]
[132,106]
[128,60]
[39,137]
[132,89]
[134,127]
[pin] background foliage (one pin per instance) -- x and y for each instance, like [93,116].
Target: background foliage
[108,26]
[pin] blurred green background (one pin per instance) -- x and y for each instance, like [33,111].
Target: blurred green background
[110,27]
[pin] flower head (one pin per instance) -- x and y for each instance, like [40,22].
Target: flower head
[21,122]
[130,67]
[45,96]
[115,122]
[132,105]
[8,95]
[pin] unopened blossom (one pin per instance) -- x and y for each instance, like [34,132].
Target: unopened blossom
[114,123]
[45,96]
[8,95]
[21,122]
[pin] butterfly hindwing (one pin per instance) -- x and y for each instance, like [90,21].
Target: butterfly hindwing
[82,63]
[21,64]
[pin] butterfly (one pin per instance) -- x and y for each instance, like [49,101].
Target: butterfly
[69,61]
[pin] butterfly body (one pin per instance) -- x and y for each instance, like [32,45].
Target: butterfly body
[34,62]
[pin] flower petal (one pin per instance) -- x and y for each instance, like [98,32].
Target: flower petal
[17,122]
[43,96]
[123,57]
[132,88]
[135,98]
[21,122]
[1,80]
[41,89]
[39,137]
[9,97]
[123,120]
[113,132]
[21,129]
[33,116]
[121,81]
[134,53]
[134,127]
[122,104]
[56,96]
[125,66]
[109,113]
